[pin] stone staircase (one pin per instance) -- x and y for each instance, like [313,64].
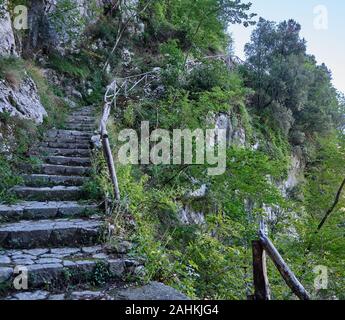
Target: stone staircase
[51,232]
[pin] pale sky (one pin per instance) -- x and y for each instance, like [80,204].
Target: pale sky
[328,45]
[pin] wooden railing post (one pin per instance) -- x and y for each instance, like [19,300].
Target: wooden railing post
[261,285]
[284,269]
[110,161]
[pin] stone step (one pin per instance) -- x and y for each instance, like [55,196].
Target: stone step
[38,180]
[78,118]
[53,169]
[59,193]
[83,127]
[152,291]
[90,114]
[85,110]
[66,145]
[61,271]
[52,233]
[33,210]
[76,125]
[65,152]
[68,139]
[68,133]
[68,161]
[81,122]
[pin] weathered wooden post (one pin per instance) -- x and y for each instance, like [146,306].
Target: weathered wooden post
[288,276]
[261,285]
[110,161]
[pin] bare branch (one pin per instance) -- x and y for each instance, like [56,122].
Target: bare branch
[331,209]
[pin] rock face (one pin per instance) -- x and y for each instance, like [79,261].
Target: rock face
[22,101]
[188,216]
[7,43]
[295,174]
[235,135]
[48,31]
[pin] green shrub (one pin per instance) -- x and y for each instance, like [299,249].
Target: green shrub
[72,68]
[50,97]
[8,179]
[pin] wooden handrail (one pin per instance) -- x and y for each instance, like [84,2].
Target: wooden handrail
[261,285]
[110,160]
[125,86]
[114,89]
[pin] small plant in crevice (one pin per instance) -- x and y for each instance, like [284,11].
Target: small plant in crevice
[98,186]
[100,274]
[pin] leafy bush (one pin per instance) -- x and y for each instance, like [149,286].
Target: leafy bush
[7,180]
[53,103]
[210,75]
[69,67]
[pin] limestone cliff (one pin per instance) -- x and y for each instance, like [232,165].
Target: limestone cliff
[21,98]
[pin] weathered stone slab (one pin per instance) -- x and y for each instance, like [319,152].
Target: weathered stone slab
[65,152]
[5,274]
[43,210]
[48,194]
[70,161]
[67,140]
[66,133]
[65,251]
[4,260]
[28,296]
[52,169]
[55,233]
[66,145]
[152,291]
[37,180]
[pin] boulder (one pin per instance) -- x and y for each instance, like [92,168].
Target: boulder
[151,291]
[22,101]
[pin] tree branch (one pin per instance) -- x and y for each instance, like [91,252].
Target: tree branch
[331,209]
[122,29]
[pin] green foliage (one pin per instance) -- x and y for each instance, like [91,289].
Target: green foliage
[201,261]
[211,75]
[288,82]
[53,104]
[325,175]
[196,24]
[100,274]
[282,98]
[173,64]
[98,185]
[67,19]
[69,67]
[193,109]
[18,134]
[7,180]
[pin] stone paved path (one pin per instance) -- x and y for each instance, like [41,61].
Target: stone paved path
[47,232]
